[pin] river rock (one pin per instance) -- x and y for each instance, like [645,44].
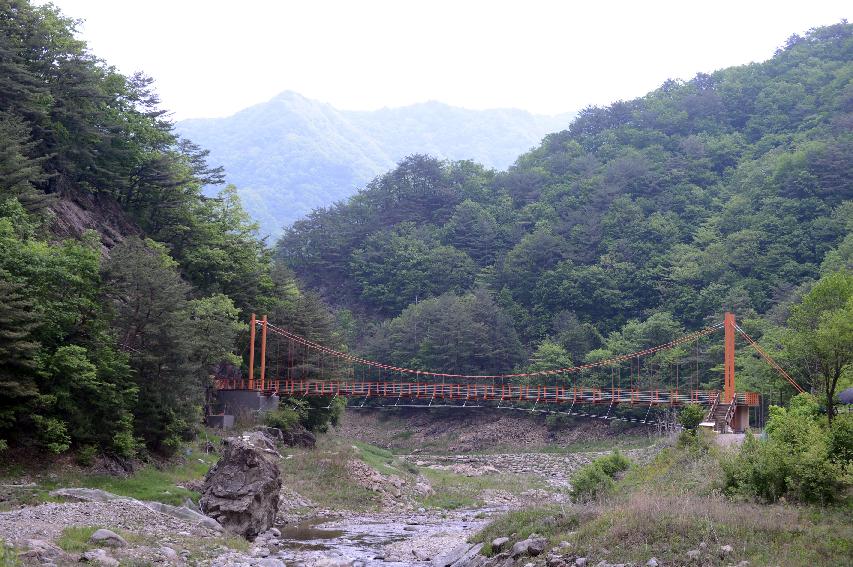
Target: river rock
[86,495]
[99,557]
[241,491]
[530,546]
[450,557]
[42,551]
[498,543]
[107,537]
[185,513]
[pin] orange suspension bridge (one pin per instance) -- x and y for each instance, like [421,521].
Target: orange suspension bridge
[334,373]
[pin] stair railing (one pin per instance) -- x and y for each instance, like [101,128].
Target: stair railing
[730,413]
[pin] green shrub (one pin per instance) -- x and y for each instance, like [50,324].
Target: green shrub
[590,482]
[691,416]
[52,433]
[841,439]
[613,463]
[281,418]
[557,421]
[596,478]
[802,458]
[86,455]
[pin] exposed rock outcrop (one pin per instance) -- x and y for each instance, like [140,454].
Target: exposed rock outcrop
[242,490]
[294,436]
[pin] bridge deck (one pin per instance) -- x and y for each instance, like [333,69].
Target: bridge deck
[506,392]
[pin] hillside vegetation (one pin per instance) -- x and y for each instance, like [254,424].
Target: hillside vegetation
[643,219]
[292,154]
[112,350]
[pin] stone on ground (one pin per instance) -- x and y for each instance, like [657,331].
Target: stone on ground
[498,543]
[241,491]
[107,537]
[99,557]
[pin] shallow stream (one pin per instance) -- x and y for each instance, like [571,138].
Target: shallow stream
[381,539]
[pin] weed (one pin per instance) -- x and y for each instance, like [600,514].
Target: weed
[75,539]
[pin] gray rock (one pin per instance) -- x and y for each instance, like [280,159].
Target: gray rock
[100,557]
[269,562]
[467,559]
[86,495]
[420,555]
[694,554]
[725,550]
[452,556]
[703,545]
[537,546]
[107,537]
[580,562]
[275,532]
[333,562]
[260,552]
[184,513]
[42,551]
[498,543]
[530,546]
[653,562]
[241,491]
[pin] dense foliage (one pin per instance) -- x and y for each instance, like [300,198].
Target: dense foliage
[291,154]
[642,220]
[113,349]
[802,459]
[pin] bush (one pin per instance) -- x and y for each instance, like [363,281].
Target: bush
[802,458]
[691,416]
[281,418]
[86,455]
[52,433]
[614,463]
[596,479]
[557,421]
[590,482]
[841,439]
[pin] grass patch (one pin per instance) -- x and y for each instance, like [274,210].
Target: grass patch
[148,483]
[673,504]
[322,475]
[551,522]
[454,491]
[380,459]
[160,485]
[75,539]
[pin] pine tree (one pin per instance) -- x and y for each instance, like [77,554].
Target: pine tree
[17,354]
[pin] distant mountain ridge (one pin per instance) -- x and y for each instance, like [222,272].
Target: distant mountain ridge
[292,154]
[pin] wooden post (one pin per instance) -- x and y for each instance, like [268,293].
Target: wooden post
[252,353]
[263,351]
[729,387]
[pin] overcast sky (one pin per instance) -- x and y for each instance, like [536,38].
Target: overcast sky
[212,58]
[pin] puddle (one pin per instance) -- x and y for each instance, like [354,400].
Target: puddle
[307,531]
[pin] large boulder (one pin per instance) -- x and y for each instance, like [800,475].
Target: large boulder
[242,490]
[294,436]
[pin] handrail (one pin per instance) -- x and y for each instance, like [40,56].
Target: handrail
[730,413]
[713,409]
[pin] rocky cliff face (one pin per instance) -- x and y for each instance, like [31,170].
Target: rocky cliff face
[75,212]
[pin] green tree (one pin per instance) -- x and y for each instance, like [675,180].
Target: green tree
[822,339]
[18,349]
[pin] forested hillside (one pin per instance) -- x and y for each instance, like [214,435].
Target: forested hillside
[642,219]
[292,154]
[107,340]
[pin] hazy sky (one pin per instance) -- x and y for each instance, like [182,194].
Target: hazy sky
[212,58]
